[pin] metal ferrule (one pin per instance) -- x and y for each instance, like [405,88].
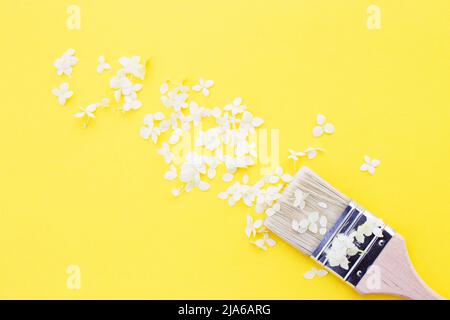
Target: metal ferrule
[352,217]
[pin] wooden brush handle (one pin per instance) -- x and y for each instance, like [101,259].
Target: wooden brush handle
[394,274]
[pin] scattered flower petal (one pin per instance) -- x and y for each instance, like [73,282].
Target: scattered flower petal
[102,65]
[133,66]
[203,86]
[309,275]
[227,177]
[171,174]
[65,63]
[322,205]
[63,93]
[370,165]
[322,126]
[300,198]
[176,192]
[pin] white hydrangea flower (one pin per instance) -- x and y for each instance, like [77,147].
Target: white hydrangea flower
[371,226]
[279,175]
[211,139]
[176,192]
[149,129]
[190,172]
[104,103]
[322,126]
[87,113]
[309,275]
[370,165]
[124,86]
[235,107]
[269,195]
[165,152]
[227,177]
[322,204]
[65,63]
[176,136]
[295,155]
[196,112]
[265,240]
[273,210]
[203,86]
[252,226]
[171,174]
[175,100]
[102,65]
[300,199]
[133,66]
[250,122]
[312,152]
[212,163]
[131,103]
[323,225]
[307,224]
[341,248]
[63,93]
[164,88]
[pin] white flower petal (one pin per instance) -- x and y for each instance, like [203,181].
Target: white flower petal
[164,88]
[271,242]
[310,274]
[256,122]
[295,225]
[227,177]
[272,179]
[303,223]
[204,186]
[170,175]
[322,272]
[322,204]
[313,227]
[159,116]
[231,201]
[313,216]
[312,153]
[176,192]
[287,178]
[323,221]
[328,128]
[260,243]
[223,195]
[364,167]
[321,119]
[317,131]
[258,224]
[211,173]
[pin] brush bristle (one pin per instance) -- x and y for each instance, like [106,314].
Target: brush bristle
[318,191]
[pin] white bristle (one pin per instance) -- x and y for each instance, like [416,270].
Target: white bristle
[319,192]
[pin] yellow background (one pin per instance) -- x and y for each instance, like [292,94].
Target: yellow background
[96,197]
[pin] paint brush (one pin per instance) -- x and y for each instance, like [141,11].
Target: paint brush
[346,239]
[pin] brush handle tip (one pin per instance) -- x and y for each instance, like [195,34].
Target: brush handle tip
[393,273]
